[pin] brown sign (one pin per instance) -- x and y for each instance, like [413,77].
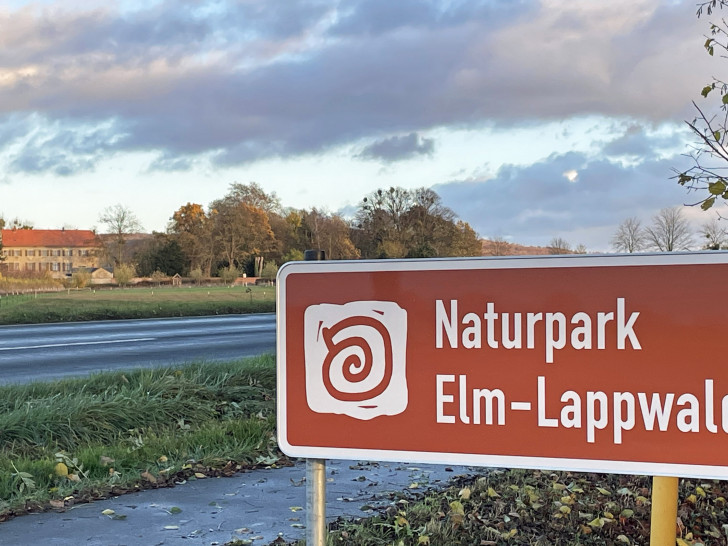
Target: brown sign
[608,363]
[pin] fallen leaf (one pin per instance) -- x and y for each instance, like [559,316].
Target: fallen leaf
[148,476]
[57,503]
[61,469]
[108,512]
[106,461]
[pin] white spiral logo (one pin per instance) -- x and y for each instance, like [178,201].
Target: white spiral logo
[355,358]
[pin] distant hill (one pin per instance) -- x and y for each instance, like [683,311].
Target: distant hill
[504,248]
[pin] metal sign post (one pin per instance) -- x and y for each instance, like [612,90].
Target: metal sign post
[598,360]
[315,474]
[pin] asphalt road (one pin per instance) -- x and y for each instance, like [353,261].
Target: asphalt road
[50,351]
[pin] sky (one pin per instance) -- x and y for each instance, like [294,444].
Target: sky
[532,119]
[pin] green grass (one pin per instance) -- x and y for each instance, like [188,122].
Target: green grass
[121,430]
[126,303]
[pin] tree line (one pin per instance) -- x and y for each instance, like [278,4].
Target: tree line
[249,231]
[668,231]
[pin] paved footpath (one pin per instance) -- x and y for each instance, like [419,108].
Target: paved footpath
[258,506]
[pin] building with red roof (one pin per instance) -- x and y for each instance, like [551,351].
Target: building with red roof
[59,251]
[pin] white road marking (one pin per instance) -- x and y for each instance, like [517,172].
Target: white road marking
[77,343]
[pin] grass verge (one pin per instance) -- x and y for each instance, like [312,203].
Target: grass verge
[131,303]
[509,507]
[79,439]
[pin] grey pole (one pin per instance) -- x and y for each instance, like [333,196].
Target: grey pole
[315,474]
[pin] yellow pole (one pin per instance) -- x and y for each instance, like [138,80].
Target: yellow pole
[663,523]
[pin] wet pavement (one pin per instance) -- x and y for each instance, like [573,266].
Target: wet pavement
[256,507]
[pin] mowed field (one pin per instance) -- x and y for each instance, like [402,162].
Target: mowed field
[147,302]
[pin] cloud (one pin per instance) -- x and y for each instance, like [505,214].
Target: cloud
[532,204]
[251,80]
[637,142]
[398,148]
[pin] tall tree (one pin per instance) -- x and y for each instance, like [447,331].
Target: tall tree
[328,232]
[162,254]
[399,223]
[239,232]
[121,222]
[253,194]
[669,231]
[191,228]
[629,237]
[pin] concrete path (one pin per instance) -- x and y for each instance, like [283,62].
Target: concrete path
[257,506]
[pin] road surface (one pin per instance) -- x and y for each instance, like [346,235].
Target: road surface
[40,352]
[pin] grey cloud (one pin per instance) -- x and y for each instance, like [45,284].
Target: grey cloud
[171,164]
[60,149]
[531,205]
[376,17]
[262,79]
[397,148]
[635,142]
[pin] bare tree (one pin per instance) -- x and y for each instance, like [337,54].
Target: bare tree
[629,237]
[559,246]
[715,235]
[669,231]
[120,221]
[709,154]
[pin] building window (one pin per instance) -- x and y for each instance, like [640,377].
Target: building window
[18,253]
[55,266]
[30,267]
[30,252]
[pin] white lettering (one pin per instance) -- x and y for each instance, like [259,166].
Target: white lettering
[626,329]
[471,334]
[552,342]
[656,410]
[571,414]
[490,317]
[449,324]
[592,423]
[581,336]
[688,419]
[622,421]
[509,343]
[441,398]
[543,421]
[488,397]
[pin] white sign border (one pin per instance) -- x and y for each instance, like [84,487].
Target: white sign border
[473,459]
